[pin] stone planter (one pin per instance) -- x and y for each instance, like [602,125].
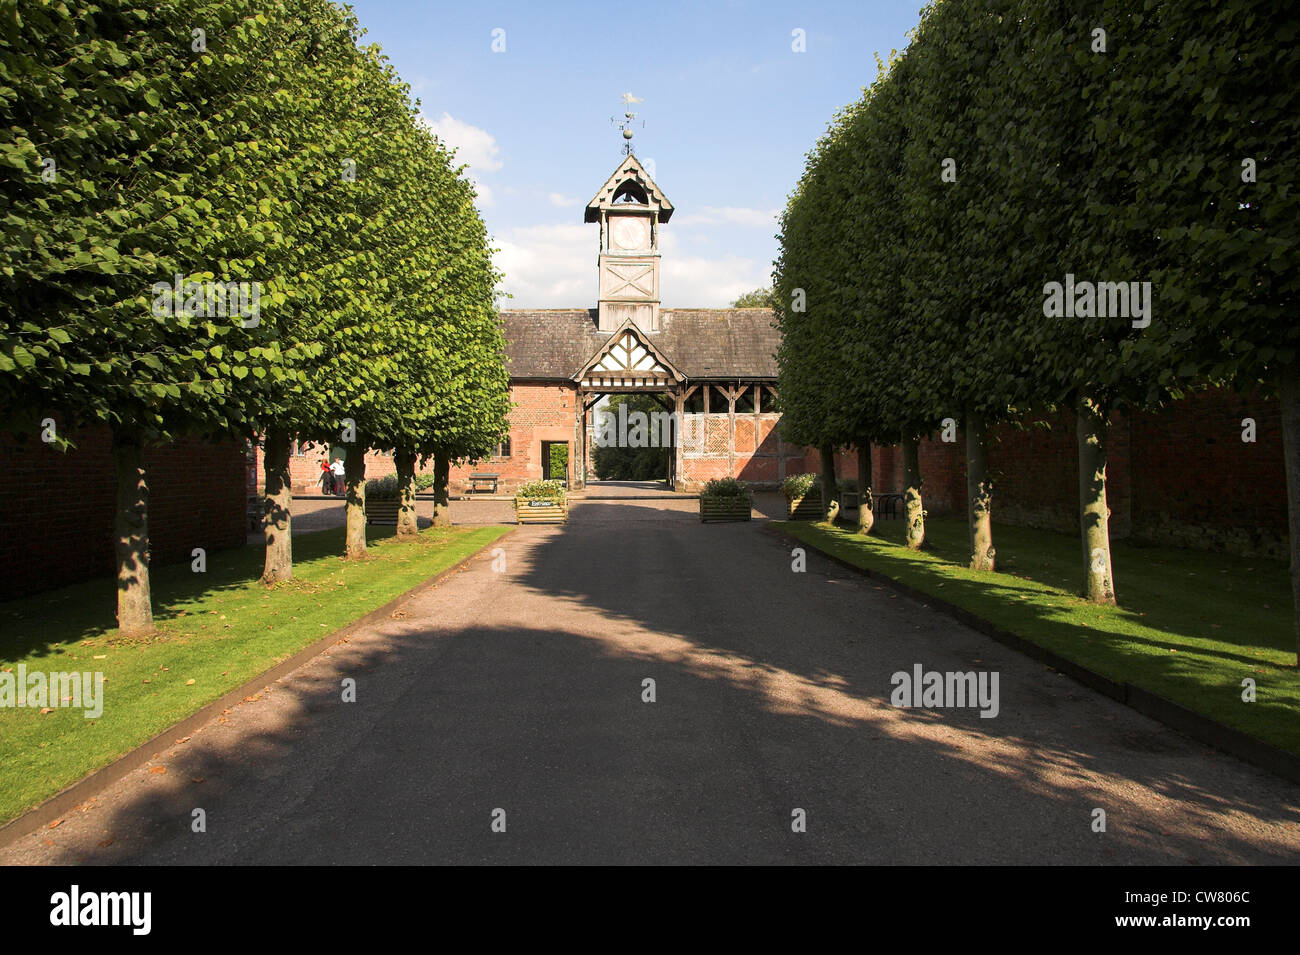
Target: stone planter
[382,512]
[805,508]
[530,511]
[726,508]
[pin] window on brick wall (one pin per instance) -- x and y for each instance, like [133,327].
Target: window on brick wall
[503,449]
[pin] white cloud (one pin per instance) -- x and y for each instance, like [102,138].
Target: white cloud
[475,147]
[702,281]
[559,199]
[554,266]
[729,215]
[548,266]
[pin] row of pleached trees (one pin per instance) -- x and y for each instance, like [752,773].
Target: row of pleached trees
[1019,143]
[330,278]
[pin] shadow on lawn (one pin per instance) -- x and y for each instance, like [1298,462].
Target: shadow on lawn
[43,623]
[1245,587]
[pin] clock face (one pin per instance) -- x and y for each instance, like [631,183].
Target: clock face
[629,233]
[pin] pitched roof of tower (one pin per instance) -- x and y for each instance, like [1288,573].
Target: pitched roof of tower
[630,169]
[555,343]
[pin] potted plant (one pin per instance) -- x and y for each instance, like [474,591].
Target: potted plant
[382,500]
[803,496]
[541,502]
[725,499]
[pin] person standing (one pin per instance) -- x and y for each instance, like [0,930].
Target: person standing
[337,469]
[326,477]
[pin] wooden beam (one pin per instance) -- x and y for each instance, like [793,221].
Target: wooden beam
[731,430]
[679,452]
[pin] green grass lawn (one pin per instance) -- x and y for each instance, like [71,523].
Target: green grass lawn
[215,631]
[1190,625]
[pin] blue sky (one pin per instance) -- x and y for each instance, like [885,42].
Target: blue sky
[730,110]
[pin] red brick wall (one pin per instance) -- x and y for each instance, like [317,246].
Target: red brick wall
[542,412]
[56,527]
[1181,476]
[1196,483]
[761,457]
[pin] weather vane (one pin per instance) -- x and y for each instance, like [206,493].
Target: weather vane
[629,119]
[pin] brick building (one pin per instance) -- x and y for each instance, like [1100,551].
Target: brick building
[1176,477]
[714,370]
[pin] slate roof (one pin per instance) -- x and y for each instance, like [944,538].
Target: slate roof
[554,343]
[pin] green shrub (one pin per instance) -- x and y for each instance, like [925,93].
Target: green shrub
[728,488]
[424,481]
[800,485]
[382,489]
[541,491]
[848,484]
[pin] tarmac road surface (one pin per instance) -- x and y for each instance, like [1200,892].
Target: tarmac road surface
[524,691]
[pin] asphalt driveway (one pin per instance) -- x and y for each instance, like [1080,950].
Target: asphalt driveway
[522,689]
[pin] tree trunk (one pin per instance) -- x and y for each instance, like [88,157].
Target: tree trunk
[979,494]
[830,491]
[866,517]
[1289,397]
[354,473]
[407,524]
[441,486]
[1098,584]
[279,504]
[912,502]
[131,537]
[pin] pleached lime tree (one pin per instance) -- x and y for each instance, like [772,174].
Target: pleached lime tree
[812,304]
[896,399]
[870,397]
[121,193]
[1200,115]
[231,142]
[965,306]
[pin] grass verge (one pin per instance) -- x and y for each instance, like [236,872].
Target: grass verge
[216,630]
[1191,625]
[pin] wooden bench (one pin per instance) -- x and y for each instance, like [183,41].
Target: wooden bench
[383,512]
[476,479]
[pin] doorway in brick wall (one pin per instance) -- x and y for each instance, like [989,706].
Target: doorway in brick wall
[555,461]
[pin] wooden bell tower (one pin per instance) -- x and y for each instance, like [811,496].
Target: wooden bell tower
[630,209]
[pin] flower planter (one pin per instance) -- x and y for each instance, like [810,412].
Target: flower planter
[541,511]
[726,508]
[382,512]
[807,507]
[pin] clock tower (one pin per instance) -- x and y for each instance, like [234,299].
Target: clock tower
[629,208]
